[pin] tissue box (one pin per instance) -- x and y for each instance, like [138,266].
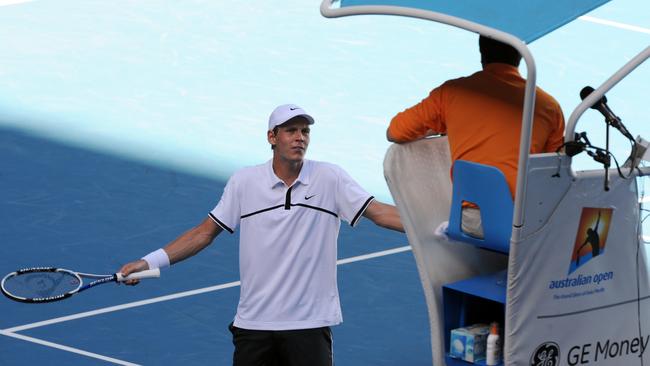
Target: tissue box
[468,343]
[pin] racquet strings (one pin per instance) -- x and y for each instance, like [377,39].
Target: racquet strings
[41,284]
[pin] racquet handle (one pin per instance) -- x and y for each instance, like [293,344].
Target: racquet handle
[149,273]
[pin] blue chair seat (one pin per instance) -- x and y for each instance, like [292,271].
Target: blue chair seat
[486,187]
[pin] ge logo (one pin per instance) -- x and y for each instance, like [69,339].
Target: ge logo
[547,354]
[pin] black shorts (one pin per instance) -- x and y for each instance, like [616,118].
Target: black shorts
[302,347]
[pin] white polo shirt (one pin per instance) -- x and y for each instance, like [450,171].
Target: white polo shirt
[288,242]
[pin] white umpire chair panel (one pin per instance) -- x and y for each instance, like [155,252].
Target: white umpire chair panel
[418,176]
[565,297]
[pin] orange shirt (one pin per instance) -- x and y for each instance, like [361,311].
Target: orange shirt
[481,116]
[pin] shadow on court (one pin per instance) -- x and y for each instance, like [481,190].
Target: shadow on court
[71,207]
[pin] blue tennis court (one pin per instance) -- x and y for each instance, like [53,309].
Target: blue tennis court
[120,123]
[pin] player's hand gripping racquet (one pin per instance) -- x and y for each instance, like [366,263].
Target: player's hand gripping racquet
[47,284]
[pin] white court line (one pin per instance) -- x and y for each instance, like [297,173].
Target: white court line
[66,348]
[13,2]
[130,305]
[373,255]
[181,295]
[610,23]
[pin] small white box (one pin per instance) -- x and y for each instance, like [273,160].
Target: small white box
[468,343]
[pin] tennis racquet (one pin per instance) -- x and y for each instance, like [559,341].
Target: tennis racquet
[48,284]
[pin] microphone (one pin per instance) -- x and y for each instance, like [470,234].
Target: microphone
[602,107]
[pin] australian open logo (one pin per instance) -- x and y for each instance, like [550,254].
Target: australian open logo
[591,236]
[546,354]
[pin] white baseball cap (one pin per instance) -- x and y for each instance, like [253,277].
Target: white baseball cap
[285,112]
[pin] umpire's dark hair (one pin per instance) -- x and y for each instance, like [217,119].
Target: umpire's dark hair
[495,51]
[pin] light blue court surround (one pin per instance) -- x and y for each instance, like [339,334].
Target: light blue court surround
[190,84]
[527,20]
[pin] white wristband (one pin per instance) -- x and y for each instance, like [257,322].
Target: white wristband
[157,259]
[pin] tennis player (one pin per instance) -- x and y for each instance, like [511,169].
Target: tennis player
[289,211]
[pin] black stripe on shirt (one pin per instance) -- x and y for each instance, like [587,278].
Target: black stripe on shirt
[260,211]
[218,222]
[292,204]
[287,199]
[316,208]
[361,211]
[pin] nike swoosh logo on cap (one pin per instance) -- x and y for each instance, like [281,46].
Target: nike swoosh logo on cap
[293,109]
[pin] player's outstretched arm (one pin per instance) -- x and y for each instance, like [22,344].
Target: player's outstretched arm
[192,241]
[384,215]
[188,244]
